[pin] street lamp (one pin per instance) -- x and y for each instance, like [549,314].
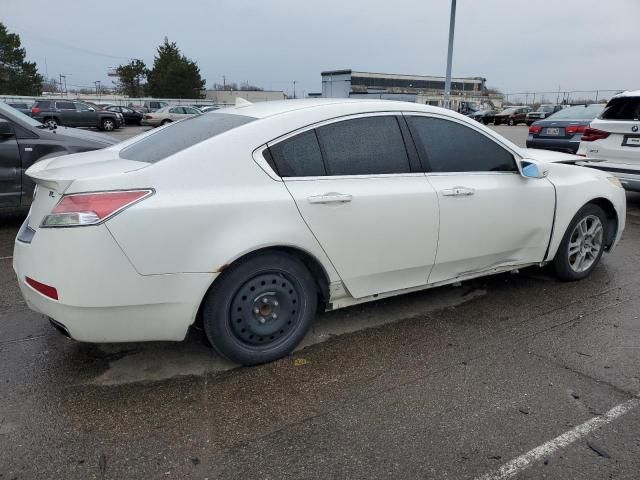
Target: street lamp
[452,26]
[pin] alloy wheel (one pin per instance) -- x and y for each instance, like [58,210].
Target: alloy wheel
[585,243]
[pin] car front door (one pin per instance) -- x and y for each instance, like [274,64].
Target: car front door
[490,215]
[68,114]
[176,113]
[372,211]
[87,117]
[10,174]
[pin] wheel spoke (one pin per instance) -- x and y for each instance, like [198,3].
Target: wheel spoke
[574,247]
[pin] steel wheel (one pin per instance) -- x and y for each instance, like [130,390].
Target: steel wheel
[585,243]
[265,309]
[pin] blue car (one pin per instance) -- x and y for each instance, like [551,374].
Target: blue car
[562,130]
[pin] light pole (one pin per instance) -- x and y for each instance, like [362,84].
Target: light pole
[452,26]
[97,82]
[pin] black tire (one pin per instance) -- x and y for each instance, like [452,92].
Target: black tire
[164,122]
[529,124]
[486,122]
[260,308]
[511,122]
[562,263]
[108,124]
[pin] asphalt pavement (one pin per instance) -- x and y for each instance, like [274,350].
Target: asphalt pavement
[509,376]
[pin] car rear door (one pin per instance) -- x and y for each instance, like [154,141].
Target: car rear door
[361,193]
[10,171]
[490,215]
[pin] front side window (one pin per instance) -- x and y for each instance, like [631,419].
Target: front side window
[81,107]
[363,146]
[176,110]
[452,147]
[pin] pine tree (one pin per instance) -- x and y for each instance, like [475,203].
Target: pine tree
[173,75]
[17,76]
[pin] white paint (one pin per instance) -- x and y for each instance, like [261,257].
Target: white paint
[519,464]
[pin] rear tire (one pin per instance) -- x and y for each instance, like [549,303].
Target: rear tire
[51,122]
[582,245]
[260,308]
[164,122]
[511,122]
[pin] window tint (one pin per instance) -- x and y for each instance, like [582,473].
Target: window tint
[81,107]
[298,156]
[452,147]
[363,146]
[65,106]
[181,135]
[580,112]
[43,104]
[176,110]
[190,110]
[622,108]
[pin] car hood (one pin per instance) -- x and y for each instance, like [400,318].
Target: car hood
[549,156]
[78,134]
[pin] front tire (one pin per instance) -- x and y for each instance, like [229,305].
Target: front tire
[108,125]
[582,245]
[511,122]
[260,308]
[164,122]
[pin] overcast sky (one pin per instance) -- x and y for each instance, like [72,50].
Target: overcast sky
[518,45]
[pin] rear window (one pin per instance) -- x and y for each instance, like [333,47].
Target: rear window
[579,112]
[180,135]
[623,108]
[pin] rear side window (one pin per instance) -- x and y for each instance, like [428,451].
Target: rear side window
[43,104]
[298,156]
[451,147]
[363,146]
[623,108]
[181,135]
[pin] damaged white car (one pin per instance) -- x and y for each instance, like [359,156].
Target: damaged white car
[249,220]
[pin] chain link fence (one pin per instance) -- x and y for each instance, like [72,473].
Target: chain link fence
[565,97]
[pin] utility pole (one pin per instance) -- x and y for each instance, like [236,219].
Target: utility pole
[452,26]
[294,89]
[97,82]
[61,75]
[224,82]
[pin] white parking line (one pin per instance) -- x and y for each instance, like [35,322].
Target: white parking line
[517,465]
[6,258]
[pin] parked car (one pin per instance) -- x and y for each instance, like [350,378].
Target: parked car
[542,112]
[169,114]
[562,130]
[613,138]
[484,116]
[74,114]
[131,117]
[511,116]
[153,105]
[101,106]
[24,141]
[21,106]
[251,219]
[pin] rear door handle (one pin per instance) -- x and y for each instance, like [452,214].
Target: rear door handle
[331,197]
[458,192]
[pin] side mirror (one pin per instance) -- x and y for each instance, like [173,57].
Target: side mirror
[91,109]
[533,169]
[6,128]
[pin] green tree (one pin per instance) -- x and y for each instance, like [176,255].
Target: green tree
[131,76]
[17,76]
[173,75]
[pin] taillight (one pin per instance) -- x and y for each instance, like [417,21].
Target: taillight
[573,129]
[591,134]
[35,110]
[80,209]
[535,129]
[46,290]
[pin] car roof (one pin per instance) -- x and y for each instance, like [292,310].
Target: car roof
[628,93]
[278,107]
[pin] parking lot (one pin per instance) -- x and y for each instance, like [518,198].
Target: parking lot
[454,382]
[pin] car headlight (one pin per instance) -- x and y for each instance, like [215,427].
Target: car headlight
[615,181]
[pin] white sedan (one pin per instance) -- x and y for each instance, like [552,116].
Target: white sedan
[168,115]
[249,220]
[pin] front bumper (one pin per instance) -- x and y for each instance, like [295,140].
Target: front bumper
[101,296]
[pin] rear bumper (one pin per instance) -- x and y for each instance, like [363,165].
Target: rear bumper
[629,177]
[559,145]
[101,296]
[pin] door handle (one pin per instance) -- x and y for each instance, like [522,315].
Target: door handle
[458,192]
[331,197]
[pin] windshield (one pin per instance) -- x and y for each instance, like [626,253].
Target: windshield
[580,112]
[12,114]
[180,135]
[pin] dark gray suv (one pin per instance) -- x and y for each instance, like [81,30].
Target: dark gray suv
[72,113]
[24,141]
